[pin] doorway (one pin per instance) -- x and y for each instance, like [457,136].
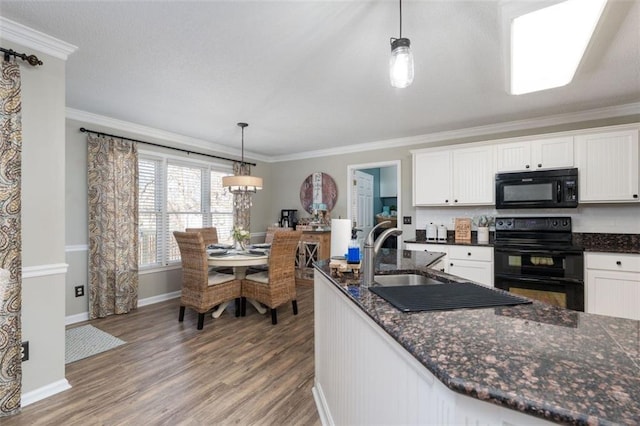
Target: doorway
[369,203]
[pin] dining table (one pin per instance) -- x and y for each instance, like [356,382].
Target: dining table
[239,260]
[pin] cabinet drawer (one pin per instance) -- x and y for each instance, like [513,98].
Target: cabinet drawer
[484,254]
[428,247]
[613,261]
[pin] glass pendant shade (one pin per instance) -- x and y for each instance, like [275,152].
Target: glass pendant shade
[401,63]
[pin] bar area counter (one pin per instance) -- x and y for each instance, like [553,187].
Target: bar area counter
[528,364]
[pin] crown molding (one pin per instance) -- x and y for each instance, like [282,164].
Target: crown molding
[490,129]
[150,132]
[429,138]
[27,37]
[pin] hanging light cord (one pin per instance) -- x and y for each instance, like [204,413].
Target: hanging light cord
[400,18]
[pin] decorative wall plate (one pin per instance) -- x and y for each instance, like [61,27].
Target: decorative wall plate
[318,191]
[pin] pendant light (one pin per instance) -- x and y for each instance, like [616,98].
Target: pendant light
[401,61]
[242,184]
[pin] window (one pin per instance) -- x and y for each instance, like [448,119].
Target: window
[174,195]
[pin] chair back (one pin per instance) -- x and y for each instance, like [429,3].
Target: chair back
[209,235]
[272,230]
[193,253]
[282,263]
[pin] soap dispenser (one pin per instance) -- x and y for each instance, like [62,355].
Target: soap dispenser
[353,252]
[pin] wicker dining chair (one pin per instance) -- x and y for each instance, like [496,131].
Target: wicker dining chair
[201,290]
[277,285]
[209,234]
[271,230]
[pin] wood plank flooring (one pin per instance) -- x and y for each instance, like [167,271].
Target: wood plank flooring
[241,371]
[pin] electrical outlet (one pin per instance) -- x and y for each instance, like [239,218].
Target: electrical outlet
[25,351]
[79,290]
[406,220]
[406,254]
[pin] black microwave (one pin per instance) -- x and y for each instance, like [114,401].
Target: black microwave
[539,189]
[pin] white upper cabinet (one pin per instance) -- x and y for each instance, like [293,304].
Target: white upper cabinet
[388,182]
[608,166]
[462,176]
[431,178]
[540,154]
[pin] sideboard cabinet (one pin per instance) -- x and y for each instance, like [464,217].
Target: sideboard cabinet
[313,246]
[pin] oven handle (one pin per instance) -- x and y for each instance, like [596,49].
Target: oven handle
[525,251]
[539,280]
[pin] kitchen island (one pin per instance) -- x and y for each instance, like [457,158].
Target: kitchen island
[520,365]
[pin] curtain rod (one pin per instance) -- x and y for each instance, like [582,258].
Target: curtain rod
[32,59]
[83,130]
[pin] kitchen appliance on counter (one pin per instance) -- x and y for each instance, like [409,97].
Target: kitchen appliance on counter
[534,257]
[442,233]
[539,189]
[288,218]
[432,232]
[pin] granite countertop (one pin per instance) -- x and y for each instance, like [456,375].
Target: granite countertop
[589,241]
[564,366]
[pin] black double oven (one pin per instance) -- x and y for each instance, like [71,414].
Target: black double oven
[534,257]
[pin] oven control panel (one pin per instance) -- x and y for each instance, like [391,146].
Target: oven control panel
[561,224]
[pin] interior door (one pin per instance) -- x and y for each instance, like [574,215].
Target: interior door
[362,199]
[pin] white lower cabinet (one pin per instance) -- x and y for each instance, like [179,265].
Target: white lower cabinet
[473,263]
[442,264]
[613,284]
[364,377]
[470,262]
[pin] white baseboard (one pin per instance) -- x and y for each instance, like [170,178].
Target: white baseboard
[157,299]
[84,316]
[321,405]
[44,392]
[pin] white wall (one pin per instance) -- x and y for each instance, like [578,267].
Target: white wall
[601,218]
[43,227]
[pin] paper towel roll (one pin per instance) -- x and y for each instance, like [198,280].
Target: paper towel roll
[340,236]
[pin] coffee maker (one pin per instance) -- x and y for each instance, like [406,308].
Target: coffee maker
[288,218]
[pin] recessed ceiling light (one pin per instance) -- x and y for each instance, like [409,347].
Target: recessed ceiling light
[548,44]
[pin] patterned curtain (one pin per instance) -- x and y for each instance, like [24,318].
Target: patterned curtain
[242,202]
[10,240]
[113,226]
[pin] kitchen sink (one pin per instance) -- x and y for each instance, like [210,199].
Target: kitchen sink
[448,296]
[403,280]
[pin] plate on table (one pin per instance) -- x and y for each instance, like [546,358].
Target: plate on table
[217,252]
[259,252]
[261,246]
[220,246]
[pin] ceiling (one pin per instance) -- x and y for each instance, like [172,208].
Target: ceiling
[313,75]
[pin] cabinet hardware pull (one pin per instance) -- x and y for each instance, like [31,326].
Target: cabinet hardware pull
[635,195]
[455,201]
[446,201]
[618,263]
[526,166]
[539,164]
[469,254]
[451,264]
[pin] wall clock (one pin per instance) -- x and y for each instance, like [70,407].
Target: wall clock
[318,192]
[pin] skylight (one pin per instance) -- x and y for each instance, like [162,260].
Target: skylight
[547,44]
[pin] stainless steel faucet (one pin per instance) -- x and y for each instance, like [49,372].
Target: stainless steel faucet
[371,249]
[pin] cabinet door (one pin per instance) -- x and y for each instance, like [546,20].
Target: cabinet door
[613,293]
[608,166]
[553,153]
[480,272]
[431,178]
[473,176]
[514,156]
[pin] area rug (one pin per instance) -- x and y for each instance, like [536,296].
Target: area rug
[87,340]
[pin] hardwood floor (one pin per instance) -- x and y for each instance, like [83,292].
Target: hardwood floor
[235,371]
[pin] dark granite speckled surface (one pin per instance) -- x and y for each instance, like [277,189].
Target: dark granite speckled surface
[611,243]
[590,241]
[564,366]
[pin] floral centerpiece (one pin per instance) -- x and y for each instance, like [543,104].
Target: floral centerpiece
[240,236]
